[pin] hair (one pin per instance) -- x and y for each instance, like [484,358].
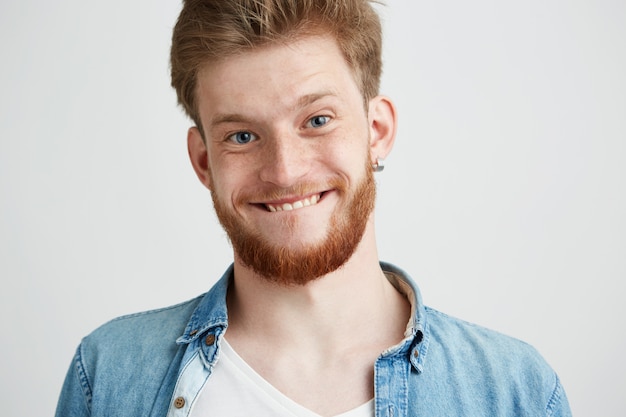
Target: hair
[210,30]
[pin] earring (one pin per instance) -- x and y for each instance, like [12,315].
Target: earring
[379,165]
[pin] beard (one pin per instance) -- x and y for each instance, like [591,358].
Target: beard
[287,265]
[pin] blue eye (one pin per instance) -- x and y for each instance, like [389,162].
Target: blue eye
[318,121]
[242,137]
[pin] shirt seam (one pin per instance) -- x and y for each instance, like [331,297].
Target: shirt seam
[157,310]
[555,398]
[83,378]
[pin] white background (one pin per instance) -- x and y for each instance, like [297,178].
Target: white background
[504,197]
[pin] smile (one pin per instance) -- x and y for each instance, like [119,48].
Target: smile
[305,202]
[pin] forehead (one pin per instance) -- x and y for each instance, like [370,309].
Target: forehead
[276,75]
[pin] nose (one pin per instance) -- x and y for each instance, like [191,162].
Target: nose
[285,160]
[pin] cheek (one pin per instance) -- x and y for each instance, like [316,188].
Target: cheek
[229,183]
[351,155]
[219,183]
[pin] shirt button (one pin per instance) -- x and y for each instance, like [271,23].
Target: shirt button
[179,402]
[210,340]
[416,353]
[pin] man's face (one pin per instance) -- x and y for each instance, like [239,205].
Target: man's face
[288,156]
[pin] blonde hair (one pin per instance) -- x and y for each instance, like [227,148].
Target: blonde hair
[210,30]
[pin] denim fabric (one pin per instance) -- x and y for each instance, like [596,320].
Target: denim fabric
[156,363]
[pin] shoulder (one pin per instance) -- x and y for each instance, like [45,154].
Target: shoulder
[151,326]
[488,366]
[475,343]
[443,326]
[143,333]
[110,360]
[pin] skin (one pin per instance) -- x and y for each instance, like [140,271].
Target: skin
[302,107]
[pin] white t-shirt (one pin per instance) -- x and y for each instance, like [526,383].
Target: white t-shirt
[235,389]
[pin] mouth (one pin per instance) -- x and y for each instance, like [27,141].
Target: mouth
[290,205]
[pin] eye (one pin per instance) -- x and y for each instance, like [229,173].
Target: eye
[242,138]
[318,121]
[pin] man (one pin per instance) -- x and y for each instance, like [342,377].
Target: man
[289,128]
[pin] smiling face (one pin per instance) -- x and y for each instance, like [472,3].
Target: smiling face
[288,156]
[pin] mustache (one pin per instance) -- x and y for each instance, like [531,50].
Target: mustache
[305,188]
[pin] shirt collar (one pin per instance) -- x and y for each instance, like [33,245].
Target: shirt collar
[212,312]
[405,285]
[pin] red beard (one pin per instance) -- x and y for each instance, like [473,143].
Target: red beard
[298,266]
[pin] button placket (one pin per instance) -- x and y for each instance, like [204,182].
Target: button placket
[188,386]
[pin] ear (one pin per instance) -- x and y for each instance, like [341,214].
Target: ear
[382,124]
[199,156]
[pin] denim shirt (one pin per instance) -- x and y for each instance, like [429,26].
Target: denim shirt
[156,363]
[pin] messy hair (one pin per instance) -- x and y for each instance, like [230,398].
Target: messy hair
[210,30]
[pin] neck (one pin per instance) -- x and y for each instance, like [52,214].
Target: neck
[317,343]
[346,303]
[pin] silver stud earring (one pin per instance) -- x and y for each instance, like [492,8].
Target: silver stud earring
[379,165]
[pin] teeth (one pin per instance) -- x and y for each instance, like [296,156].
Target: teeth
[296,205]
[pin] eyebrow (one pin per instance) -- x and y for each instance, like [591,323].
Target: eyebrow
[312,98]
[302,101]
[228,118]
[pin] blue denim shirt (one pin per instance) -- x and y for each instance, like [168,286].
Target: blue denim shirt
[156,363]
